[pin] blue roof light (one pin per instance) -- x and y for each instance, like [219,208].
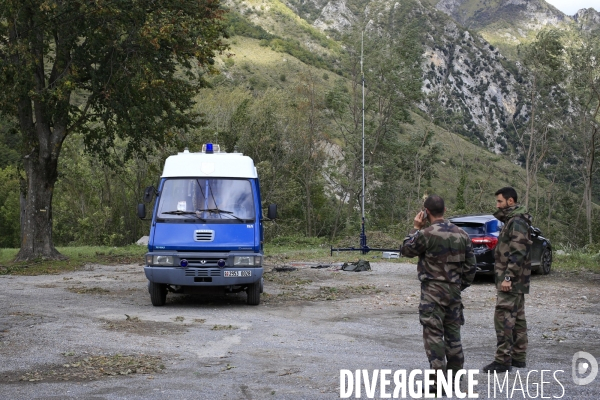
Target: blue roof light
[209,148]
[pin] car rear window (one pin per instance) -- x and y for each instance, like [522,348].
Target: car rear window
[471,228]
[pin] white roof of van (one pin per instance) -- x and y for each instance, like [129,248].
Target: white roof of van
[218,165]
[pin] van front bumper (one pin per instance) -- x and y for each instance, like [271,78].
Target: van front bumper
[204,276]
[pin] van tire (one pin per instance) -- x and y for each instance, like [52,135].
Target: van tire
[158,293]
[253,293]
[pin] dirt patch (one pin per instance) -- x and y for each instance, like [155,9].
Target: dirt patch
[87,290]
[22,319]
[305,283]
[144,328]
[114,291]
[47,286]
[90,368]
[223,327]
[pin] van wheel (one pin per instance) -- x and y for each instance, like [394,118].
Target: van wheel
[546,262]
[253,293]
[158,293]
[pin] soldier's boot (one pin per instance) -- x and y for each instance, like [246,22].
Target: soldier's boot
[496,366]
[455,385]
[433,390]
[518,364]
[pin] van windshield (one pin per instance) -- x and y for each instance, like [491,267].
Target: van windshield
[214,199]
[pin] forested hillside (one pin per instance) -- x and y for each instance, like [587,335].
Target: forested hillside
[448,110]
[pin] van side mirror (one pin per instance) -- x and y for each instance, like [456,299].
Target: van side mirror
[148,194]
[141,211]
[272,212]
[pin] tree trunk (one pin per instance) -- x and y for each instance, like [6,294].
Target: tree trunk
[588,180]
[42,142]
[587,194]
[531,144]
[43,123]
[308,205]
[36,209]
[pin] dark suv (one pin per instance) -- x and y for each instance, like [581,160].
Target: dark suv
[484,230]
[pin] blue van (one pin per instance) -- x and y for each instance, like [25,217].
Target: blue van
[207,226]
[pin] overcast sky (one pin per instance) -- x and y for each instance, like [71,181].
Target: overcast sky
[570,7]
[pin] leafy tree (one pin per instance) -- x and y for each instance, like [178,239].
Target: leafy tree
[108,69]
[261,127]
[92,203]
[9,143]
[392,82]
[219,106]
[583,82]
[543,57]
[307,144]
[407,176]
[9,207]
[461,205]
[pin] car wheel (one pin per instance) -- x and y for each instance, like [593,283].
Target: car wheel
[253,293]
[546,262]
[158,293]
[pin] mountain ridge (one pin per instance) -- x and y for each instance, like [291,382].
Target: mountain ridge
[508,23]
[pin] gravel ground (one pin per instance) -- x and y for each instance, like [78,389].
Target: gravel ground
[93,334]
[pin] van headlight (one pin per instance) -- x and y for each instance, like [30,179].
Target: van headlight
[162,260]
[250,261]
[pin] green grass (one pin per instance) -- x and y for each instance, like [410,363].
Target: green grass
[262,67]
[77,258]
[282,254]
[577,261]
[285,249]
[279,251]
[282,250]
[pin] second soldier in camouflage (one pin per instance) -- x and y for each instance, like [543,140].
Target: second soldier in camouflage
[512,270]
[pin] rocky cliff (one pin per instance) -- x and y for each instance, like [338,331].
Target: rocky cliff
[471,73]
[588,19]
[470,86]
[508,23]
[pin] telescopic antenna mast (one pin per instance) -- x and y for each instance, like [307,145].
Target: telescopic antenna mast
[364,249]
[363,235]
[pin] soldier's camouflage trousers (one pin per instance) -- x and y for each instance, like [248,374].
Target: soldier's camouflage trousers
[511,327]
[441,314]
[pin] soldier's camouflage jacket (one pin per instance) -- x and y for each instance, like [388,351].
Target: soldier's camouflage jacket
[445,253]
[513,251]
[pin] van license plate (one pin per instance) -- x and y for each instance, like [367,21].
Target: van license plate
[235,274]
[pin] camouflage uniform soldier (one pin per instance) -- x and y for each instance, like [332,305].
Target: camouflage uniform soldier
[512,270]
[446,267]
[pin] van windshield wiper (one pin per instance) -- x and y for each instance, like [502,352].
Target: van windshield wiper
[186,213]
[178,212]
[219,211]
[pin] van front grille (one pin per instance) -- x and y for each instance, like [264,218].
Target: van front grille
[204,235]
[202,272]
